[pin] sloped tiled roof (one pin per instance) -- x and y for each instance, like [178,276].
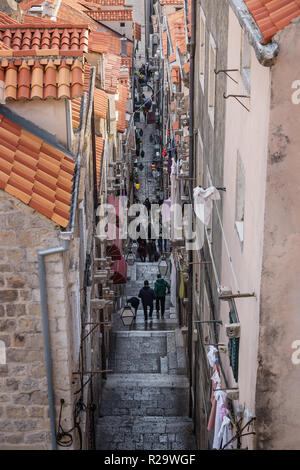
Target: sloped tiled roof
[35,172]
[67,40]
[272,16]
[110,15]
[171,2]
[99,154]
[137,31]
[176,23]
[112,72]
[41,78]
[175,74]
[121,106]
[107,3]
[5,19]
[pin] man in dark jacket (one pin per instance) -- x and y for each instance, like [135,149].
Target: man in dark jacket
[147,296]
[160,288]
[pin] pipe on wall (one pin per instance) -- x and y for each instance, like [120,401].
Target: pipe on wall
[191,174]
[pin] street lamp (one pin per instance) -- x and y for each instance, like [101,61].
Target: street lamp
[163,266]
[127,315]
[130,258]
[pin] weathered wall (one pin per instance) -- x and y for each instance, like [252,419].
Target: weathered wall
[209,151]
[278,399]
[51,116]
[246,133]
[24,420]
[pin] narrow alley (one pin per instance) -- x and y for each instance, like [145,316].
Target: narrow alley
[144,402]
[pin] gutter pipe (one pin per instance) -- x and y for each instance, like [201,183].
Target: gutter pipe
[265,53]
[66,237]
[191,174]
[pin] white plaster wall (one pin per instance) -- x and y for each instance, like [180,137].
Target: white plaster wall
[246,132]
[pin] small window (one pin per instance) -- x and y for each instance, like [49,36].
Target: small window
[240,198]
[202,48]
[122,25]
[246,62]
[212,79]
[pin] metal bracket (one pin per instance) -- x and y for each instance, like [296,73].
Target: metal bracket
[92,372]
[236,296]
[237,98]
[226,73]
[219,322]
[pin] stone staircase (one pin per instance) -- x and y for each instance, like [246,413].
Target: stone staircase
[145,401]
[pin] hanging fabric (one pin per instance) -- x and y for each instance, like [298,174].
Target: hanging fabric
[216,383]
[225,433]
[221,411]
[203,202]
[212,356]
[173,281]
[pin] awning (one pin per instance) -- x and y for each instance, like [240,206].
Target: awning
[119,269]
[115,250]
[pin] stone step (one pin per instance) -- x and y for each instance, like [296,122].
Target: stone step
[145,433]
[145,398]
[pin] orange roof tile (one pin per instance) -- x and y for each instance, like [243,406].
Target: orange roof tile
[100,103]
[175,125]
[171,2]
[137,31]
[35,172]
[99,154]
[72,11]
[38,40]
[107,3]
[176,23]
[5,19]
[110,15]
[121,107]
[175,74]
[272,16]
[41,78]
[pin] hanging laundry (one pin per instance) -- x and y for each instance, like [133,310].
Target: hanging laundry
[173,281]
[203,202]
[212,356]
[225,433]
[216,383]
[221,411]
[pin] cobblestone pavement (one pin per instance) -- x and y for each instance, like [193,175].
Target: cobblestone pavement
[144,403]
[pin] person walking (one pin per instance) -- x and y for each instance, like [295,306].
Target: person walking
[160,287]
[147,296]
[151,249]
[134,302]
[142,250]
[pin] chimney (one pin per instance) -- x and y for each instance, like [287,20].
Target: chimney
[124,46]
[11,8]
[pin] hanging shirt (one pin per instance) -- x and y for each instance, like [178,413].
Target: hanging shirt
[220,397]
[225,433]
[203,202]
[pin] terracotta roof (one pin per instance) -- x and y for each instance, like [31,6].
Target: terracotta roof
[41,20]
[108,3]
[121,107]
[112,71]
[272,16]
[99,154]
[35,172]
[5,19]
[176,23]
[175,74]
[100,103]
[173,106]
[41,78]
[44,40]
[175,125]
[100,41]
[171,2]
[186,67]
[110,15]
[137,31]
[72,11]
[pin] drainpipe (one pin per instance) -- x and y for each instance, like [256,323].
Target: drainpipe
[191,174]
[66,237]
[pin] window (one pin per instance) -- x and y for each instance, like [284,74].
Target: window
[246,62]
[240,198]
[202,48]
[212,79]
[199,160]
[122,25]
[2,353]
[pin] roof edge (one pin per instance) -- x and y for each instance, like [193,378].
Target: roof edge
[266,54]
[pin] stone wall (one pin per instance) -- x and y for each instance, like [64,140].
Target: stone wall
[24,420]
